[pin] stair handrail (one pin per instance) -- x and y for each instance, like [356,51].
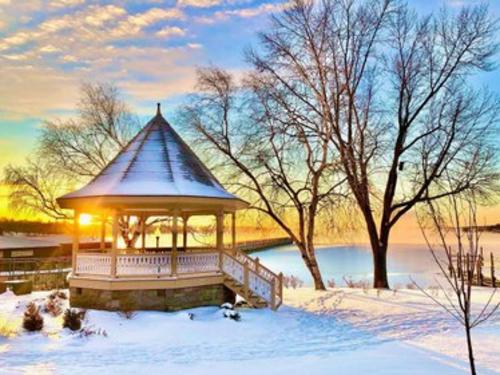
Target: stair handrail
[275,284]
[278,279]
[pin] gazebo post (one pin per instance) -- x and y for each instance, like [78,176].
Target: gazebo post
[103,232]
[184,231]
[114,244]
[76,240]
[174,242]
[143,232]
[220,235]
[233,232]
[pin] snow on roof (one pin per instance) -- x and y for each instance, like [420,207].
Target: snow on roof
[156,162]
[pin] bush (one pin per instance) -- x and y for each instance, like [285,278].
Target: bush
[227,306]
[54,303]
[90,331]
[58,294]
[331,283]
[292,282]
[72,319]
[362,284]
[411,286]
[32,320]
[233,315]
[241,304]
[53,307]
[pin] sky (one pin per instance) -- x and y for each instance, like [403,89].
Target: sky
[148,49]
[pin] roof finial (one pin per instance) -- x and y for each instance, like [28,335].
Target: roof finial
[158,110]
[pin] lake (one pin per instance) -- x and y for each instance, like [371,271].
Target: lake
[355,261]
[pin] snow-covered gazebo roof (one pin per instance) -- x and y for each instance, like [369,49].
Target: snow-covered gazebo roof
[156,169]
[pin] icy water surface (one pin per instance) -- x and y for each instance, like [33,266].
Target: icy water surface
[355,262]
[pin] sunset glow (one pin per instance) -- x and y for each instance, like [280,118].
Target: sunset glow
[85,219]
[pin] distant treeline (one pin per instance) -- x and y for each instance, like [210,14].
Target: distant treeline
[487,228]
[32,227]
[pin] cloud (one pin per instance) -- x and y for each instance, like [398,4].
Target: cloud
[33,91]
[65,3]
[98,16]
[14,57]
[136,23]
[69,58]
[49,49]
[44,63]
[461,3]
[242,12]
[170,31]
[198,3]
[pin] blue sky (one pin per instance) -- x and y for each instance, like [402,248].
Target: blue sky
[149,49]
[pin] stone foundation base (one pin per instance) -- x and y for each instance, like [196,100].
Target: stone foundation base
[156,299]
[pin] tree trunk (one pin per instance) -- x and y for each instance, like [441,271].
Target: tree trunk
[312,266]
[316,274]
[380,267]
[470,350]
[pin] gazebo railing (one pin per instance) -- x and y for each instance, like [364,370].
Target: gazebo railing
[93,264]
[134,265]
[248,273]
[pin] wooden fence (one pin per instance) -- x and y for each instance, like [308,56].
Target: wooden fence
[483,268]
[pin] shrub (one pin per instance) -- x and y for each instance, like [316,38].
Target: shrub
[361,284]
[32,320]
[411,286]
[233,315]
[331,283]
[292,282]
[72,319]
[90,331]
[241,303]
[127,310]
[53,307]
[58,294]
[127,314]
[227,306]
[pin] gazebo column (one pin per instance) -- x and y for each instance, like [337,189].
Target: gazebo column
[143,232]
[103,232]
[174,242]
[184,231]
[233,232]
[219,238]
[114,244]
[76,241]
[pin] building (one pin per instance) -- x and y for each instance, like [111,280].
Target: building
[158,175]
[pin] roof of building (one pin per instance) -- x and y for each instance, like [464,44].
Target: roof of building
[155,163]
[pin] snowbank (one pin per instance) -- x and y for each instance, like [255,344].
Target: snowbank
[342,331]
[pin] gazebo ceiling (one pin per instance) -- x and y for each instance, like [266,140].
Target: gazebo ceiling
[157,169]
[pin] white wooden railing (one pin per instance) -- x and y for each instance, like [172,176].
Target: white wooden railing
[247,272]
[134,265]
[254,277]
[93,264]
[197,262]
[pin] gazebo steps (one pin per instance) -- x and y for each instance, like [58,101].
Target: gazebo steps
[252,299]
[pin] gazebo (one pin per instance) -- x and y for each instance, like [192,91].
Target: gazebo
[158,175]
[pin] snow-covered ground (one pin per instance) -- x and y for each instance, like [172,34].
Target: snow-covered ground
[341,331]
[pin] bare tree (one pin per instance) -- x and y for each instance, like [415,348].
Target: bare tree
[260,146]
[83,146]
[390,90]
[72,151]
[34,188]
[455,221]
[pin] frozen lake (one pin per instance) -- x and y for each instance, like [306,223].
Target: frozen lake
[355,261]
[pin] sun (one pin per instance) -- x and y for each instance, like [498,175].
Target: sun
[85,219]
